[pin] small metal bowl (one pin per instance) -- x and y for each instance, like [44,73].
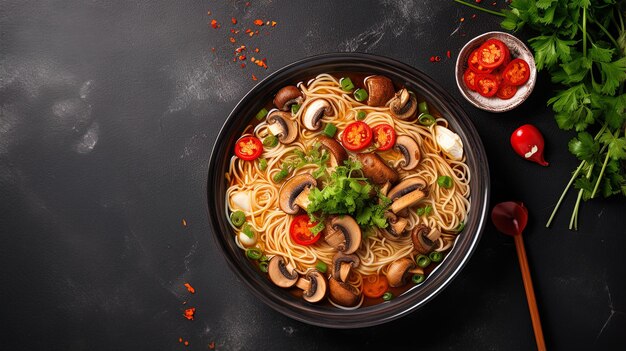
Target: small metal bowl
[494,104]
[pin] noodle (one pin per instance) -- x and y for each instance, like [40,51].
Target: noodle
[449,206]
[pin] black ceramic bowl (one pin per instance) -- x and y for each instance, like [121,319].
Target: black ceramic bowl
[326,315]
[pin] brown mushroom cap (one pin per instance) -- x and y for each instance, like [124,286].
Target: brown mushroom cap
[292,189]
[375,169]
[281,274]
[343,294]
[343,264]
[399,270]
[335,149]
[315,111]
[344,234]
[409,150]
[313,285]
[280,124]
[396,226]
[379,89]
[287,96]
[422,241]
[406,186]
[403,105]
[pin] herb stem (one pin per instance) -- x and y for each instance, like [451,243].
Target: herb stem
[606,160]
[574,220]
[584,36]
[569,184]
[605,32]
[496,13]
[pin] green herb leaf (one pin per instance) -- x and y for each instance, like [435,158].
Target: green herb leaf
[584,147]
[549,49]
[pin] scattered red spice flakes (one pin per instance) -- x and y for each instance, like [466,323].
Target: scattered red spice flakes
[214,24]
[242,57]
[462,19]
[186,343]
[243,65]
[493,3]
[435,59]
[258,22]
[448,54]
[254,77]
[247,3]
[478,1]
[233,20]
[180,339]
[184,222]
[189,313]
[232,40]
[190,288]
[240,49]
[208,13]
[212,345]
[273,23]
[473,16]
[256,50]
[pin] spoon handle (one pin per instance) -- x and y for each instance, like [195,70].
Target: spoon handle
[530,292]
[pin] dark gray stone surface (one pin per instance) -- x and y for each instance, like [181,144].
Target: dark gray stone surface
[108,110]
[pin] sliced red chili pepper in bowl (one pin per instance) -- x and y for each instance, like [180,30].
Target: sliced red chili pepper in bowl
[374,286]
[356,136]
[506,91]
[492,53]
[384,137]
[487,85]
[469,77]
[474,65]
[300,230]
[516,72]
[248,148]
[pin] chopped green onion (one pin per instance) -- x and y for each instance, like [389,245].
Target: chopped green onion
[238,218]
[270,141]
[418,278]
[261,114]
[264,258]
[295,108]
[263,266]
[426,119]
[387,296]
[444,182]
[435,256]
[262,164]
[280,176]
[422,261]
[459,228]
[423,107]
[248,231]
[424,211]
[361,115]
[254,253]
[330,130]
[360,94]
[321,266]
[315,230]
[346,84]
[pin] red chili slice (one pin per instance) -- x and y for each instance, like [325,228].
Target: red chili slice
[506,91]
[487,85]
[469,77]
[300,230]
[356,136]
[474,65]
[492,53]
[516,72]
[248,148]
[384,137]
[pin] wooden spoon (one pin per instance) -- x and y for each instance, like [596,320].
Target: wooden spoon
[510,218]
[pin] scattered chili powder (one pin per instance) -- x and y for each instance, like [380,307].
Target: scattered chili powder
[435,59]
[214,24]
[184,222]
[186,343]
[208,13]
[189,313]
[478,1]
[273,23]
[254,77]
[256,50]
[462,19]
[473,16]
[190,288]
[243,65]
[247,3]
[448,54]
[232,40]
[180,339]
[258,22]
[212,345]
[233,20]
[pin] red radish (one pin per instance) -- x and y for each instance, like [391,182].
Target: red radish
[527,142]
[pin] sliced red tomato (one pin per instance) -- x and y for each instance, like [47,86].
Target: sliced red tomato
[474,65]
[506,91]
[300,230]
[492,53]
[248,148]
[384,137]
[487,84]
[469,77]
[374,286]
[516,72]
[356,136]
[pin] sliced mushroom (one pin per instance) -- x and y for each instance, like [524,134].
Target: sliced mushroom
[399,271]
[424,238]
[287,96]
[385,188]
[410,150]
[294,194]
[406,186]
[408,200]
[281,274]
[403,105]
[344,234]
[313,285]
[314,112]
[379,90]
[343,294]
[396,227]
[339,154]
[280,125]
[343,264]
[376,169]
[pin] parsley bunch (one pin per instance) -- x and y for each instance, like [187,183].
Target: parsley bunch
[347,192]
[582,44]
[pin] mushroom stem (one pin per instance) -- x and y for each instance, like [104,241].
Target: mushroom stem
[302,200]
[434,235]
[416,270]
[407,200]
[344,271]
[303,284]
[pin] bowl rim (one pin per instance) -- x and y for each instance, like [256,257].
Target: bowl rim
[461,85]
[380,313]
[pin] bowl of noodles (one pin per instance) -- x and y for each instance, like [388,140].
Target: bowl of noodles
[347,190]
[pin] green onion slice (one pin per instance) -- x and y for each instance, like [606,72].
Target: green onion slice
[418,278]
[321,266]
[261,114]
[360,95]
[435,256]
[238,218]
[254,253]
[346,84]
[387,296]
[444,182]
[425,119]
[422,261]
